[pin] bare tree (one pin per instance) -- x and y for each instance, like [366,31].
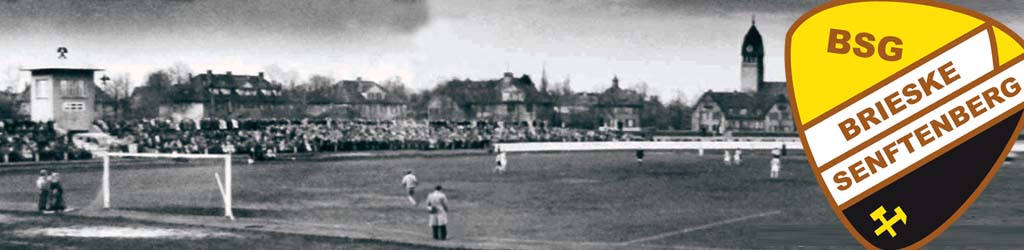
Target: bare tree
[680,112]
[119,90]
[395,86]
[10,78]
[641,88]
[680,98]
[119,86]
[179,72]
[563,89]
[319,82]
[275,73]
[146,99]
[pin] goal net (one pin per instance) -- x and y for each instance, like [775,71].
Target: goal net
[189,184]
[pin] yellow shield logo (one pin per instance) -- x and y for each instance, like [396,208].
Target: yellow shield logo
[906,110]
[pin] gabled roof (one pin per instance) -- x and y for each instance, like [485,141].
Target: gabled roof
[773,88]
[232,81]
[726,100]
[352,92]
[578,99]
[222,87]
[756,104]
[616,96]
[470,92]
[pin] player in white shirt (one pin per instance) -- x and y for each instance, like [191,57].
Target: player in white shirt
[726,157]
[501,163]
[43,184]
[736,157]
[776,164]
[437,204]
[409,182]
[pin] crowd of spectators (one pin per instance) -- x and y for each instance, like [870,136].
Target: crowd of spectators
[32,141]
[264,139]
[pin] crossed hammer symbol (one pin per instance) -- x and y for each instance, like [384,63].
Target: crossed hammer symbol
[887,223]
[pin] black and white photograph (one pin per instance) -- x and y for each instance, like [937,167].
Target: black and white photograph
[423,124]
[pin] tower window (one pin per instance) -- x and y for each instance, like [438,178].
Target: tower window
[74,106]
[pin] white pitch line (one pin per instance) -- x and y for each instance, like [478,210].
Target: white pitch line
[588,243]
[702,227]
[339,226]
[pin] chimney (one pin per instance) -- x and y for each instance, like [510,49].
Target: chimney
[261,75]
[508,77]
[228,73]
[359,79]
[615,82]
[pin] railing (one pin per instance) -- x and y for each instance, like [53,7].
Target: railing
[708,143]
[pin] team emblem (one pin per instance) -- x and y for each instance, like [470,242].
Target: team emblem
[906,110]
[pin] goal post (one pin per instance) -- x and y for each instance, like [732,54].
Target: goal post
[225,187]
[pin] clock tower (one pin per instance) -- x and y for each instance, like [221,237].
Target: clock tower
[752,68]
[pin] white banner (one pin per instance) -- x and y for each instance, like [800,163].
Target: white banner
[970,59]
[935,130]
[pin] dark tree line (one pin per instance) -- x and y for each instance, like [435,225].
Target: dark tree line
[144,101]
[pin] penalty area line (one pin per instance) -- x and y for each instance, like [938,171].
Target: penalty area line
[702,227]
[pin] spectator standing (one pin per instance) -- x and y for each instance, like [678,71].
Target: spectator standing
[56,193]
[43,184]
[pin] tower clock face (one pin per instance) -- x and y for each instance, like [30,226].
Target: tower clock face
[750,48]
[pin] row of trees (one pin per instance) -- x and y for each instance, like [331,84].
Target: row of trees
[143,101]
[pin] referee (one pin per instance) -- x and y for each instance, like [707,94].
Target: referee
[437,203]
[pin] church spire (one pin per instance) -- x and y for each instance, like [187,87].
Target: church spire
[544,78]
[752,51]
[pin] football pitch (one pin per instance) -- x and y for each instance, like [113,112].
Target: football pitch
[581,200]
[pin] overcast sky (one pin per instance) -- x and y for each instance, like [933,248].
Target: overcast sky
[672,45]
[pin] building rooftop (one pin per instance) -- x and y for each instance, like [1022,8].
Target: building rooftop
[490,91]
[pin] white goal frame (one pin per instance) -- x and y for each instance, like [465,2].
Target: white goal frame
[225,188]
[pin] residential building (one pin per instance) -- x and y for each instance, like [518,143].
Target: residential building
[759,107]
[507,99]
[619,108]
[223,95]
[356,99]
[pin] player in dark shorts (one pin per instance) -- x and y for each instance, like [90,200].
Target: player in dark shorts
[640,157]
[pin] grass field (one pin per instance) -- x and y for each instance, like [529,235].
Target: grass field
[12,228]
[676,199]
